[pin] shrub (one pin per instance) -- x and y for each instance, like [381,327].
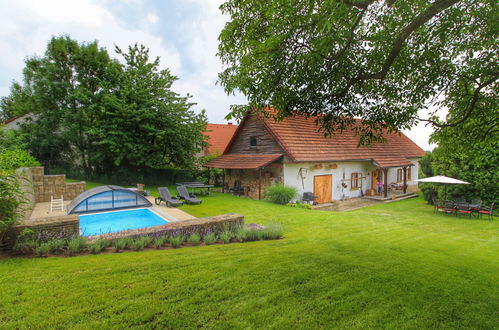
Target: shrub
[176,241]
[25,241]
[76,244]
[273,231]
[159,241]
[122,243]
[11,198]
[57,246]
[280,194]
[97,247]
[105,243]
[253,235]
[209,239]
[42,249]
[16,158]
[146,240]
[139,243]
[226,236]
[194,239]
[240,235]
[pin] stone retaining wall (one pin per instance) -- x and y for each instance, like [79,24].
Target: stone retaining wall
[201,226]
[67,226]
[46,186]
[25,179]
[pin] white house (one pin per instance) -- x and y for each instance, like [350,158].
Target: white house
[263,151]
[15,122]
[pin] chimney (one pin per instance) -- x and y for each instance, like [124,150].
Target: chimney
[229,123]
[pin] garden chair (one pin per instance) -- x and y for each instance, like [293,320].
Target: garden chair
[308,197]
[435,204]
[463,208]
[487,210]
[164,195]
[449,207]
[237,189]
[189,198]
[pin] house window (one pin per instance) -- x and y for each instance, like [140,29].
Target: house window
[354,181]
[253,141]
[400,175]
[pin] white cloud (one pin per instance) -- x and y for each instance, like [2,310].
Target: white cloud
[152,18]
[28,25]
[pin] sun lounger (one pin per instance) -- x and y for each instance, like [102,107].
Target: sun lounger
[188,198]
[164,195]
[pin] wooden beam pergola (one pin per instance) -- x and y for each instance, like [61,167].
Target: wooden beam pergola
[385,181]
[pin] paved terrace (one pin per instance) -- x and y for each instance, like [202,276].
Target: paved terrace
[42,210]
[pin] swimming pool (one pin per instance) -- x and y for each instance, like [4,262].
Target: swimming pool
[111,222]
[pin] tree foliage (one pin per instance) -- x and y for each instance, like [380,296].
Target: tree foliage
[470,152]
[12,159]
[11,197]
[379,60]
[102,115]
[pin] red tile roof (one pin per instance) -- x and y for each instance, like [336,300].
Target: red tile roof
[243,161]
[392,162]
[11,119]
[302,141]
[219,136]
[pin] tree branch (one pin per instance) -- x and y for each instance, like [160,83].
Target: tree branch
[421,19]
[470,108]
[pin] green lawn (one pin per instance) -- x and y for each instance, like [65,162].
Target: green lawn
[395,265]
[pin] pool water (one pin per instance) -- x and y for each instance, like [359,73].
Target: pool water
[111,222]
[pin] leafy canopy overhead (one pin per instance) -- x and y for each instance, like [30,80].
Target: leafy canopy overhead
[382,61]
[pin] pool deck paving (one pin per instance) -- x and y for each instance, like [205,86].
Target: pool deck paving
[42,210]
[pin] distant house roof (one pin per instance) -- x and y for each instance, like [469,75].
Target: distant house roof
[11,120]
[301,140]
[219,136]
[15,122]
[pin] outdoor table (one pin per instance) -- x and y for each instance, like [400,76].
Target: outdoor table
[196,185]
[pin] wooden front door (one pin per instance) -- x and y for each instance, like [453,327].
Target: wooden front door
[323,188]
[374,175]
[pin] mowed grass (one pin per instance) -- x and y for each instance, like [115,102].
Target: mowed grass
[395,265]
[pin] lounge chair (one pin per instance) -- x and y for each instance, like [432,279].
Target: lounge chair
[164,195]
[188,198]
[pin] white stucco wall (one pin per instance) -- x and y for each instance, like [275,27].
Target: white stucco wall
[15,124]
[291,177]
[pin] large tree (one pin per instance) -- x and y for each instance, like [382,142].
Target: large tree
[100,115]
[379,60]
[470,150]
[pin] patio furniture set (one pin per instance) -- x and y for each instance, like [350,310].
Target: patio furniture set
[471,208]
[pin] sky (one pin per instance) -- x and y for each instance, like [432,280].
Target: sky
[183,33]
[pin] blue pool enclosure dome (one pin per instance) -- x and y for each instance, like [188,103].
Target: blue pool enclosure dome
[105,198]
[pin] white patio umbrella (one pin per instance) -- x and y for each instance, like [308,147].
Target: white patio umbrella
[442,179]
